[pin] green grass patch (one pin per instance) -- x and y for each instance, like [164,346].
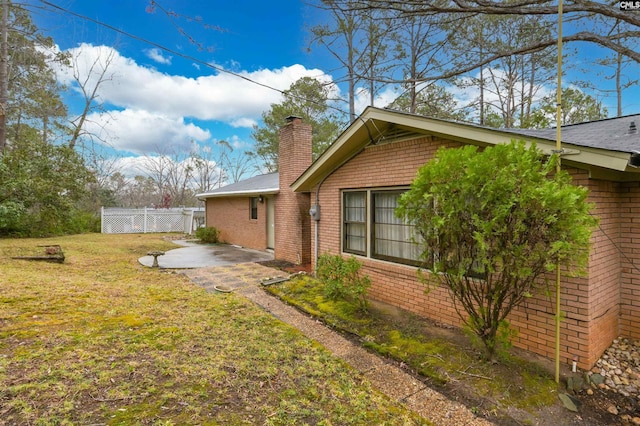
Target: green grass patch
[443,356]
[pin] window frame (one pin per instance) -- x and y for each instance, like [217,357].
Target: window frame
[375,223]
[370,225]
[253,210]
[345,223]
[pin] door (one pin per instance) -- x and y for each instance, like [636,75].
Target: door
[271,228]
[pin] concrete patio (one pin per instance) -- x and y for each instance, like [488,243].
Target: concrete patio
[195,255]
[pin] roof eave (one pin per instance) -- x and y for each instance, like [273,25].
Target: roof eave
[247,193]
[360,134]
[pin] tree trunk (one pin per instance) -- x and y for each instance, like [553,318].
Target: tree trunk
[4,59]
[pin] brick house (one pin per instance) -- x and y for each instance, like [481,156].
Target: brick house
[354,185]
[248,213]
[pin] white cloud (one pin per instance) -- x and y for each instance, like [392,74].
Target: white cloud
[147,109]
[157,55]
[240,145]
[244,122]
[381,100]
[131,166]
[142,132]
[233,99]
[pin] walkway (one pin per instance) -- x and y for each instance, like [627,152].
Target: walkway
[245,278]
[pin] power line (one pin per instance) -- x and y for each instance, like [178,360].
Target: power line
[182,55]
[159,46]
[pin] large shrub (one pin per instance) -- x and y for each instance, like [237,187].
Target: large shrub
[491,222]
[41,188]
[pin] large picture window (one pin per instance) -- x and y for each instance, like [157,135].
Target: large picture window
[355,222]
[393,238]
[371,228]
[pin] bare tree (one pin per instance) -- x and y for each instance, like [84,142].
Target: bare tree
[511,85]
[341,40]
[140,192]
[614,66]
[420,54]
[172,174]
[208,173]
[237,167]
[88,82]
[180,177]
[594,21]
[158,167]
[376,59]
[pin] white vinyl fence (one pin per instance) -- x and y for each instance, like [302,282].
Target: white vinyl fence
[133,221]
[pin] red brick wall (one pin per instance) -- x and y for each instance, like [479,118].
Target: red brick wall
[590,304]
[630,245]
[604,266]
[385,166]
[231,217]
[292,223]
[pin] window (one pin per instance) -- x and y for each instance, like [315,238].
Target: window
[392,237]
[253,208]
[355,225]
[378,234]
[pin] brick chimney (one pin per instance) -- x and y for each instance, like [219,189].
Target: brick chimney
[292,221]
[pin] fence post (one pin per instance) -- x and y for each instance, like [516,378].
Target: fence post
[144,226]
[187,223]
[102,220]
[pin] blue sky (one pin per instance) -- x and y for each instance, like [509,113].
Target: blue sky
[167,101]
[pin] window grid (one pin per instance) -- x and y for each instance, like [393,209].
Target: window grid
[355,225]
[253,208]
[371,228]
[392,238]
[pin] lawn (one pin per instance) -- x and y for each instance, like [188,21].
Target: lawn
[100,339]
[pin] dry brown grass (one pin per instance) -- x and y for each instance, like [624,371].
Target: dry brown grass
[101,339]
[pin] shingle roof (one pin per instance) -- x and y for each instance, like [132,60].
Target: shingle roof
[612,133]
[604,146]
[262,184]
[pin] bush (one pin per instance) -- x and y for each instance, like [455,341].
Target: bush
[81,222]
[493,240]
[342,279]
[209,234]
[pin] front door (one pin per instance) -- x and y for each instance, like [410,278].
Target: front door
[271,228]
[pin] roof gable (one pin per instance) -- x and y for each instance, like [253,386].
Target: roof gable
[583,146]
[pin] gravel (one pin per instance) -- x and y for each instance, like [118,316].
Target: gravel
[618,371]
[619,367]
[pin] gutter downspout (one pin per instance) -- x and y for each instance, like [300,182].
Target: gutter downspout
[317,227]
[317,205]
